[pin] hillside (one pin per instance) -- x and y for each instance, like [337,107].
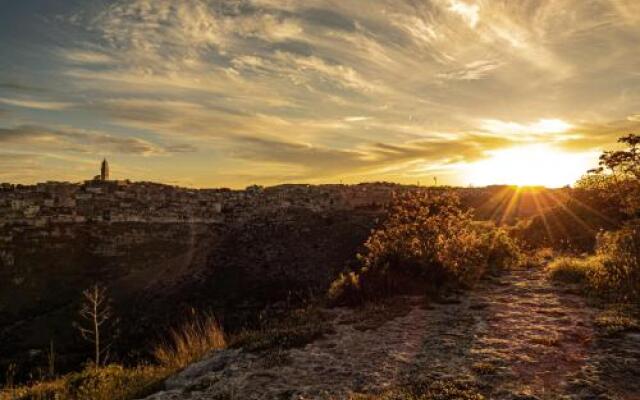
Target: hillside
[515,336]
[164,251]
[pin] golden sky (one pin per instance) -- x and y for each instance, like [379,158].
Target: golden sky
[236,92]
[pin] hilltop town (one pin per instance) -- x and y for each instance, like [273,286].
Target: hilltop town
[157,246]
[105,200]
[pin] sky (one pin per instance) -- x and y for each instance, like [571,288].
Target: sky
[211,93]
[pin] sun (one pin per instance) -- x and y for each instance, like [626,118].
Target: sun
[530,165]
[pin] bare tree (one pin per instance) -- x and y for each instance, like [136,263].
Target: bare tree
[96,314]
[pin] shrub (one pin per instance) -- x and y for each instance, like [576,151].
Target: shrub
[613,272]
[427,240]
[619,274]
[572,269]
[500,249]
[346,288]
[192,341]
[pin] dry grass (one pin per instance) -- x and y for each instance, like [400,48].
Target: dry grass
[571,269]
[614,321]
[294,329]
[484,368]
[191,342]
[545,340]
[187,344]
[112,382]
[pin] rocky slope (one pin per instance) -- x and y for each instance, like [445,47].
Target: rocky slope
[513,337]
[155,273]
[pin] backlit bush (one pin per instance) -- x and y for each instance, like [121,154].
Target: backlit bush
[500,250]
[619,275]
[573,269]
[427,241]
[613,272]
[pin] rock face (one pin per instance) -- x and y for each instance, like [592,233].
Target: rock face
[513,337]
[155,272]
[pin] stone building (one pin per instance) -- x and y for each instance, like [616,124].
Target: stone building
[104,170]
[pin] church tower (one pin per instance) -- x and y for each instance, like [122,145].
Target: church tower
[104,170]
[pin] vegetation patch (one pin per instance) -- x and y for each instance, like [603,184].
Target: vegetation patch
[293,329]
[614,321]
[186,344]
[112,382]
[427,242]
[190,343]
[613,273]
[572,269]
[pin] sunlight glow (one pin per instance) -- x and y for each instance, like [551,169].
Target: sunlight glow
[532,165]
[542,126]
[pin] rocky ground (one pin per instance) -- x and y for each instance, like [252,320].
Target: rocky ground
[517,336]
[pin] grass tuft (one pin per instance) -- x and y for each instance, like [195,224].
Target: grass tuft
[571,269]
[190,343]
[294,329]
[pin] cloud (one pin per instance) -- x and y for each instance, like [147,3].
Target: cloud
[80,141]
[356,119]
[330,88]
[540,127]
[14,86]
[87,57]
[37,104]
[634,118]
[471,71]
[22,167]
[314,162]
[468,12]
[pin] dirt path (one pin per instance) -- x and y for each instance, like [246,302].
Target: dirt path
[513,337]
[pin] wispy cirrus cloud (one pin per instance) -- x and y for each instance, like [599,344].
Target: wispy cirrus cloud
[36,104]
[332,88]
[81,141]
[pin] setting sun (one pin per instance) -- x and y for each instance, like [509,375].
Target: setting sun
[532,165]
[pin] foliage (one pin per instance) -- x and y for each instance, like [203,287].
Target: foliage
[622,163]
[572,269]
[617,179]
[619,275]
[427,240]
[192,341]
[616,320]
[294,329]
[112,382]
[613,272]
[500,249]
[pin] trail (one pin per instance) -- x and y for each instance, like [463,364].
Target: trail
[516,336]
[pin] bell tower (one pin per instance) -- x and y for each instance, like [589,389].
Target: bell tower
[104,170]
